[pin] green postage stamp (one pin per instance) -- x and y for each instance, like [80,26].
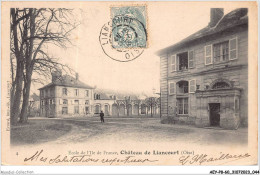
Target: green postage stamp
[129,27]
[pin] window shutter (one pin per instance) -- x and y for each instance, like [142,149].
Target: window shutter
[171,88]
[208,54]
[233,49]
[173,63]
[191,59]
[192,86]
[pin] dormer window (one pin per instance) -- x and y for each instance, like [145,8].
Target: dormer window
[96,96]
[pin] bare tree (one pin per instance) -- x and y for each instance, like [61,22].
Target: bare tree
[151,102]
[32,32]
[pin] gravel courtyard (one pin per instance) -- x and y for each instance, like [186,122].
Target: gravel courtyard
[84,130]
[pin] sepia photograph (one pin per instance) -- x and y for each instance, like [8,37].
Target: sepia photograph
[130,84]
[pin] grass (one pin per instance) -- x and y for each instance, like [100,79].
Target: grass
[38,132]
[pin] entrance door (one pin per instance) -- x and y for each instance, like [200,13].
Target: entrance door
[106,110]
[114,110]
[214,114]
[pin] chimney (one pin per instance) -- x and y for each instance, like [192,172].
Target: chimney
[55,76]
[215,15]
[77,76]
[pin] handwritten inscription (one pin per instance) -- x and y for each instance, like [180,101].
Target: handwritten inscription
[204,158]
[38,156]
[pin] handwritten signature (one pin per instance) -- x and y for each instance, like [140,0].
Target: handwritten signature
[38,156]
[204,158]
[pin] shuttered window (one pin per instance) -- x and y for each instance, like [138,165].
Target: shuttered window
[191,59]
[173,63]
[171,88]
[208,54]
[192,86]
[233,49]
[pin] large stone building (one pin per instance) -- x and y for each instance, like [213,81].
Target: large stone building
[68,96]
[204,78]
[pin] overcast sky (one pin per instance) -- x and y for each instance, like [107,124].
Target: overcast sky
[168,23]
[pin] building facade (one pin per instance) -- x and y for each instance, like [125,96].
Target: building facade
[67,96]
[204,78]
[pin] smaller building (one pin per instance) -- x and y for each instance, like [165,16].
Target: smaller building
[67,96]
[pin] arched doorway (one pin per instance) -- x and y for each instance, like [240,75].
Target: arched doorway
[143,109]
[97,109]
[114,110]
[106,109]
[136,109]
[129,109]
[121,109]
[155,110]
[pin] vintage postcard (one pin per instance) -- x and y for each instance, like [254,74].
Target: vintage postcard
[129,83]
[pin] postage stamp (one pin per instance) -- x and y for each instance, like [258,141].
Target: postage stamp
[129,27]
[124,37]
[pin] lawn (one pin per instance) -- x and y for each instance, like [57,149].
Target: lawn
[84,130]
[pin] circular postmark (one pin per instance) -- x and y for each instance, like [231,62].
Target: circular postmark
[123,38]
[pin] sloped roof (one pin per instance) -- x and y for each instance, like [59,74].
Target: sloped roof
[68,81]
[234,18]
[105,94]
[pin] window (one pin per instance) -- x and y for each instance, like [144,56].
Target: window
[220,85]
[192,86]
[183,61]
[64,91]
[191,59]
[97,109]
[208,54]
[236,105]
[64,110]
[42,102]
[220,52]
[65,102]
[173,63]
[171,88]
[87,93]
[233,48]
[76,102]
[76,92]
[50,101]
[182,87]
[96,96]
[86,102]
[183,106]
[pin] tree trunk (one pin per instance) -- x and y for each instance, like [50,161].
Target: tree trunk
[26,96]
[16,101]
